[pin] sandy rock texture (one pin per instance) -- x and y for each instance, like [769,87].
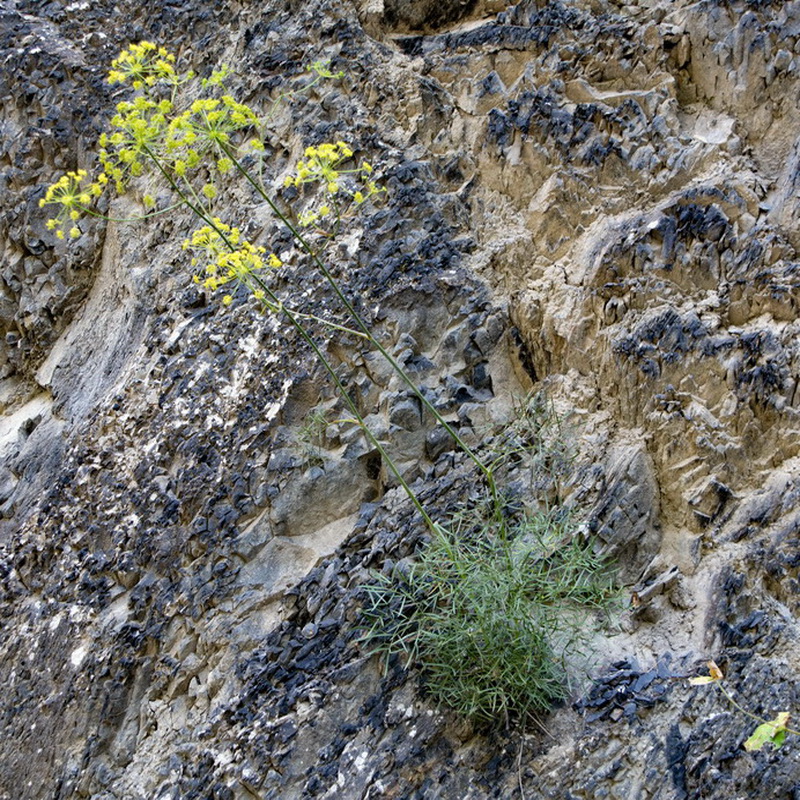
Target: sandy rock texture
[591,198]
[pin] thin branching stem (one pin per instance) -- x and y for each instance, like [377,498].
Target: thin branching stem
[359,321]
[760,720]
[301,329]
[89,212]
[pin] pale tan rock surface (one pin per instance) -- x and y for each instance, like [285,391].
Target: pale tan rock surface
[594,199]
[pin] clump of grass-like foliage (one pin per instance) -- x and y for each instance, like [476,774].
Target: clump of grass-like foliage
[491,620]
[492,612]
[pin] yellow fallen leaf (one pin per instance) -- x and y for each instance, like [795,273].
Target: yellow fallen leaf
[714,674]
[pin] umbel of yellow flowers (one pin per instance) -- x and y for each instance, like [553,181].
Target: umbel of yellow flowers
[188,132]
[73,197]
[229,257]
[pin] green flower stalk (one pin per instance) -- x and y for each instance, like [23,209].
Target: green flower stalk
[190,144]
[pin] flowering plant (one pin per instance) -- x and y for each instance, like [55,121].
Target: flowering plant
[192,136]
[189,133]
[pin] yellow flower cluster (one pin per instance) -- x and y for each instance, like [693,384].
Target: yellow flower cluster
[206,127]
[227,257]
[189,135]
[320,69]
[143,64]
[210,120]
[73,194]
[151,131]
[139,129]
[322,164]
[143,131]
[151,128]
[217,77]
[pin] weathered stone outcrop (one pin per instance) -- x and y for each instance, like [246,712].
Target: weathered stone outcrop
[592,198]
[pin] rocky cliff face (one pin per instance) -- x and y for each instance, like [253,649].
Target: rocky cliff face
[592,198]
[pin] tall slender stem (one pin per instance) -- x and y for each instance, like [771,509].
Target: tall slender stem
[302,330]
[303,242]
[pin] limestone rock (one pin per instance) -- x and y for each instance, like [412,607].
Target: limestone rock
[594,198]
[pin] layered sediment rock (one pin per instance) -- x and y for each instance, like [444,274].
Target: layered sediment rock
[596,199]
